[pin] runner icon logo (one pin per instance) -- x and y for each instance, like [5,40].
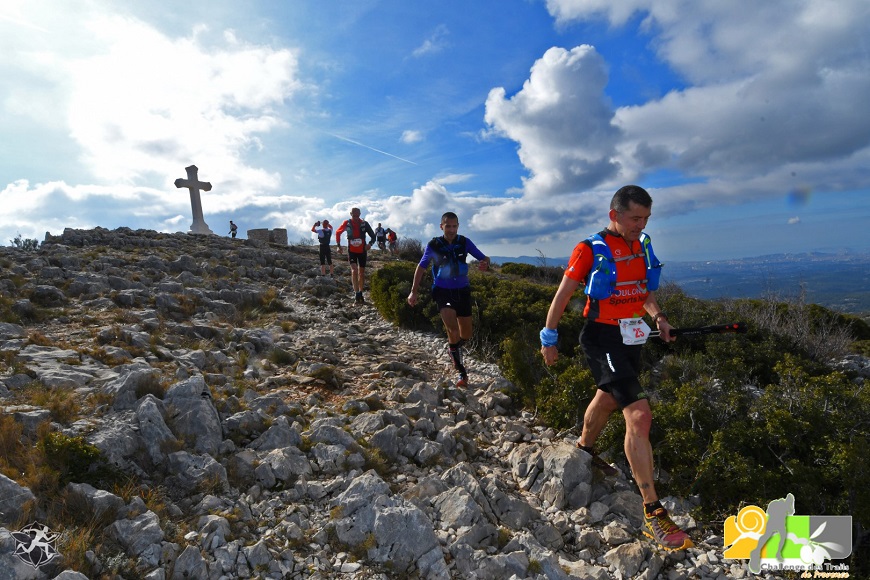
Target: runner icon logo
[34,545]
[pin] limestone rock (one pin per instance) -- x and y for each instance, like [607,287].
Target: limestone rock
[299,437]
[13,498]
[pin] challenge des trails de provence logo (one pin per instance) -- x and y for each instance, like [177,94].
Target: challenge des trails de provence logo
[778,540]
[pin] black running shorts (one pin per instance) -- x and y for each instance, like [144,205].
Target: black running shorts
[358,259]
[325,255]
[459,299]
[614,365]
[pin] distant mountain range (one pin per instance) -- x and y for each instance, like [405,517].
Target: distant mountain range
[839,281]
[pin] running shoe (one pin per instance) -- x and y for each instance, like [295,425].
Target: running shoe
[659,527]
[599,463]
[360,299]
[462,382]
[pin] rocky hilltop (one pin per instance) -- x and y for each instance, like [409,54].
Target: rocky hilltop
[273,429]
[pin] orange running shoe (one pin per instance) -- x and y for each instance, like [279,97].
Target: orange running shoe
[659,527]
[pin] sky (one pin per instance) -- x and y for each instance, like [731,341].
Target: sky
[746,121]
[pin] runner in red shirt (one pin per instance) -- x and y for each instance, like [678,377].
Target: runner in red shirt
[356,249]
[613,359]
[629,301]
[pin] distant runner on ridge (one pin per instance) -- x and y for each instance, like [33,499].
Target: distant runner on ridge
[356,249]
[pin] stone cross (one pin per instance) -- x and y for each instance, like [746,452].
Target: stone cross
[193,184]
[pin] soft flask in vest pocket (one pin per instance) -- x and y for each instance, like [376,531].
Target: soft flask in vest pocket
[450,270]
[653,265]
[601,282]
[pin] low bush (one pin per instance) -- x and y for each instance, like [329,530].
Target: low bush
[389,288]
[76,460]
[543,274]
[409,249]
[518,269]
[738,419]
[26,244]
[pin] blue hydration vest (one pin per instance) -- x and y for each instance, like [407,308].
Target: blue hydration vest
[601,282]
[449,259]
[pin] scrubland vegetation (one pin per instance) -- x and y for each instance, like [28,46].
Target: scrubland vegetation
[739,419]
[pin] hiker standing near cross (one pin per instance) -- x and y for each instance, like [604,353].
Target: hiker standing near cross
[193,184]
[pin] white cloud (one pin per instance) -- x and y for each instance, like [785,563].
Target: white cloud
[771,103]
[149,102]
[566,11]
[139,104]
[411,136]
[13,12]
[436,42]
[562,122]
[794,220]
[51,207]
[453,178]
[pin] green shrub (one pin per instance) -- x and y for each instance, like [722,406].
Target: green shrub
[72,456]
[26,244]
[543,274]
[555,393]
[561,398]
[409,249]
[517,269]
[738,419]
[390,286]
[508,306]
[732,441]
[861,347]
[75,460]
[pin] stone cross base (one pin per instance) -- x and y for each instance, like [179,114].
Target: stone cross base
[200,227]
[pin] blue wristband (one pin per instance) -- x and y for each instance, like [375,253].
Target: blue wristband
[549,336]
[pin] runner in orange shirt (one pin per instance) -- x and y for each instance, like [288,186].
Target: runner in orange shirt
[357,249]
[607,343]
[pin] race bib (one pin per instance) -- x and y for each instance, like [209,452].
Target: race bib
[634,330]
[356,243]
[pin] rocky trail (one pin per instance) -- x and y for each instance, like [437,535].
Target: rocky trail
[274,429]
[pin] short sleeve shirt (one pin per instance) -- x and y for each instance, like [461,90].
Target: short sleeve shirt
[627,301]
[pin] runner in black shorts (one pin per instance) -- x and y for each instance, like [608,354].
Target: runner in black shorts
[359,259]
[614,365]
[623,292]
[324,236]
[356,249]
[459,299]
[451,289]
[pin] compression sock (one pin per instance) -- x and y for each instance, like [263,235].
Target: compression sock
[649,508]
[456,355]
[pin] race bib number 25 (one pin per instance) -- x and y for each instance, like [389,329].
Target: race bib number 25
[634,330]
